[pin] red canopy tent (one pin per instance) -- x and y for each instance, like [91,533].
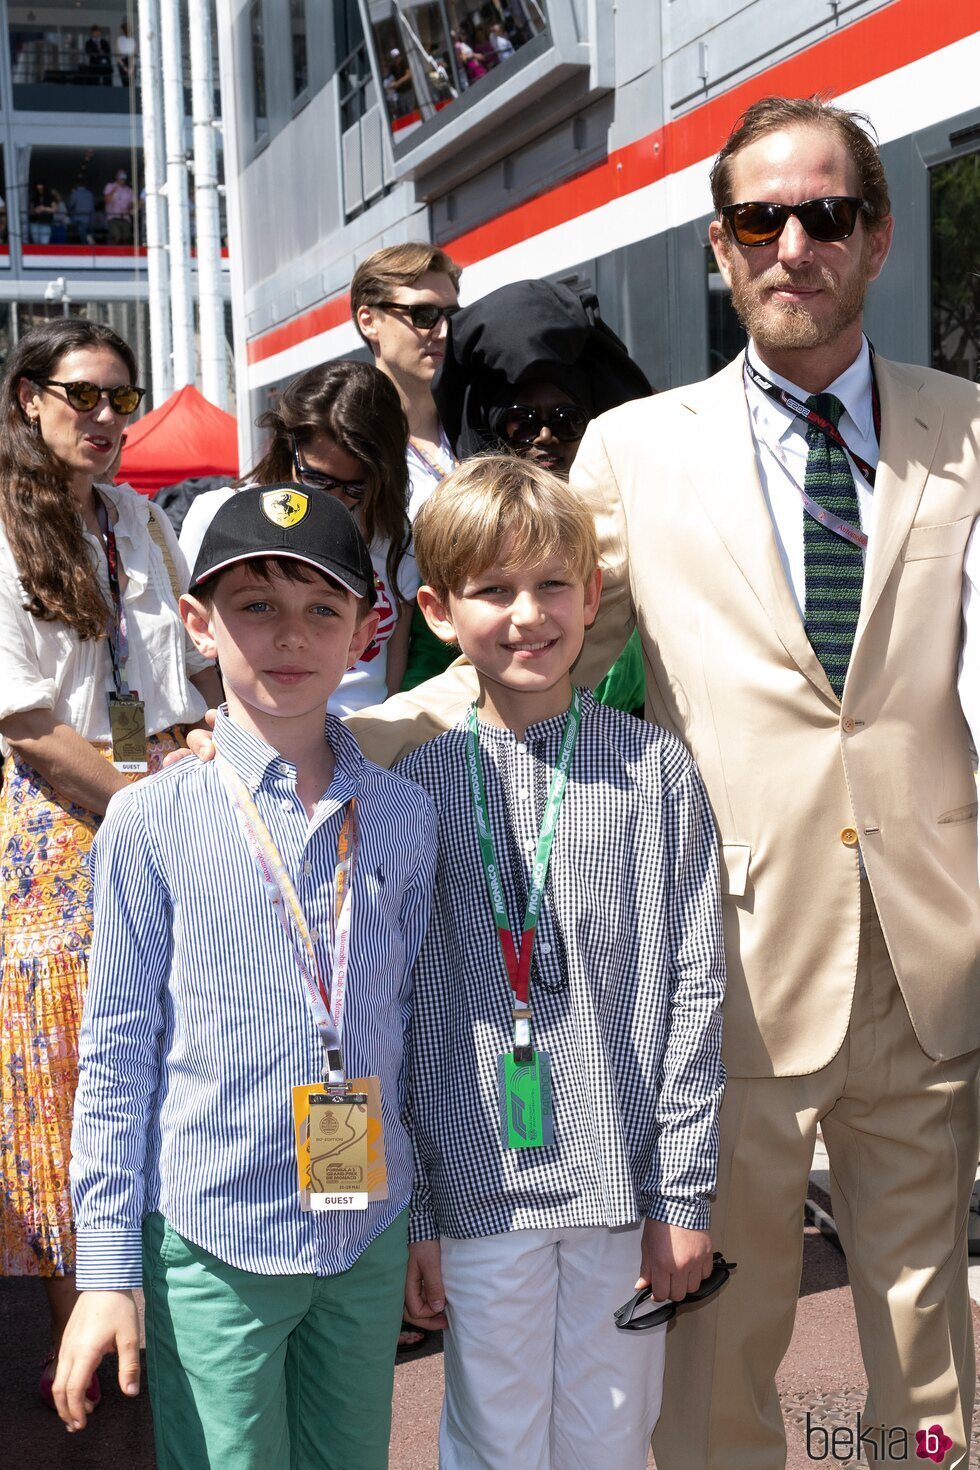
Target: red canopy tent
[185,438]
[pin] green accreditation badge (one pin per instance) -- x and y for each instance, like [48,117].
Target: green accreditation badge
[338,1158]
[127,730]
[525,1101]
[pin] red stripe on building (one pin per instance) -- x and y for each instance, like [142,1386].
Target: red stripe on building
[859,53]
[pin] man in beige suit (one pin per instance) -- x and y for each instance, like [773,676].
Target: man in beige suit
[820,700]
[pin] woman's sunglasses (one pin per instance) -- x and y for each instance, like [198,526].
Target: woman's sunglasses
[355,490]
[631,1319]
[825,220]
[84,396]
[423,314]
[522,424]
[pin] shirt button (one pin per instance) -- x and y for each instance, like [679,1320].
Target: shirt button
[545,947]
[847,725]
[849,837]
[315,935]
[307,869]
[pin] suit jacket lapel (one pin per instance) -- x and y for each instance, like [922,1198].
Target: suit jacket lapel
[722,459]
[910,425]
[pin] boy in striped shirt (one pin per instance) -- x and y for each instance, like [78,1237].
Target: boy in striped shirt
[566,1071]
[257,920]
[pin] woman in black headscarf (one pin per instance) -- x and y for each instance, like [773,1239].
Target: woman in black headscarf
[525,369]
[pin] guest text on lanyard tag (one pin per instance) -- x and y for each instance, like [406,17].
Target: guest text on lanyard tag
[524,1075]
[332,1150]
[840,527]
[127,713]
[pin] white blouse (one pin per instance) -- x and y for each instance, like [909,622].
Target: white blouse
[45,665]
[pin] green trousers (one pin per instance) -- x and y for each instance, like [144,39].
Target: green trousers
[250,1372]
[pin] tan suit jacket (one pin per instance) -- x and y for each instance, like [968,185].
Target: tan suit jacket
[792,773]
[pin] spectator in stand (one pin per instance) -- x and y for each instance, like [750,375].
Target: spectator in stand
[40,214]
[98,59]
[3,220]
[119,200]
[484,48]
[125,54]
[399,83]
[81,208]
[501,43]
[59,220]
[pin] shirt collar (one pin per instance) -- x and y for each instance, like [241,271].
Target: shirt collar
[541,731]
[257,762]
[853,388]
[132,513]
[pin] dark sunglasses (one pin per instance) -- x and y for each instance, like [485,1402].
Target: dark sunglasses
[316,480]
[522,424]
[424,314]
[626,1317]
[825,220]
[83,396]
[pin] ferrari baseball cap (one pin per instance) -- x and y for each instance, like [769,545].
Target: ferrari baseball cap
[291,521]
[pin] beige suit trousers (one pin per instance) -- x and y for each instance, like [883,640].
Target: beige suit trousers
[901,1133]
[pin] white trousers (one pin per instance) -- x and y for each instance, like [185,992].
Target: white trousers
[537,1373]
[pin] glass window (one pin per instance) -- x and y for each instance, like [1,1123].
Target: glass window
[430,51]
[83,197]
[297,24]
[726,335]
[257,37]
[62,59]
[955,197]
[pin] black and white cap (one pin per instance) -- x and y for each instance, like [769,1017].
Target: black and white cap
[291,521]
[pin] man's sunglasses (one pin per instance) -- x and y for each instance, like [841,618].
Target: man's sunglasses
[631,1319]
[825,220]
[522,424]
[84,396]
[423,314]
[355,490]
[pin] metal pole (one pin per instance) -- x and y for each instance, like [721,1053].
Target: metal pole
[181,299]
[154,172]
[210,297]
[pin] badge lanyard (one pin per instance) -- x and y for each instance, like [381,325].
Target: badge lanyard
[326,1003]
[118,636]
[431,465]
[518,962]
[778,395]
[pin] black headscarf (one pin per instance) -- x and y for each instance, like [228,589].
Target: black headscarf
[528,330]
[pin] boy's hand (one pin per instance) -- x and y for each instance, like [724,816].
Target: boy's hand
[425,1296]
[102,1321]
[199,743]
[673,1261]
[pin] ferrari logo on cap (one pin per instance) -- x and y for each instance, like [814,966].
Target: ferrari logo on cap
[285,507]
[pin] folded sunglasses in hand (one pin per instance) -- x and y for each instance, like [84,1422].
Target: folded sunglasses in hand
[627,1319]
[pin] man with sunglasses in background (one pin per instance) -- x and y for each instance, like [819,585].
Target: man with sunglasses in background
[793,539]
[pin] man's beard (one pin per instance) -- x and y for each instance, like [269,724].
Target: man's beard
[792,325]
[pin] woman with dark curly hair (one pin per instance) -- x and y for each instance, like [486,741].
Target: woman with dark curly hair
[340,428]
[93,690]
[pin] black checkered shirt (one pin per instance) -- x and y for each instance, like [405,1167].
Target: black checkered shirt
[627,981]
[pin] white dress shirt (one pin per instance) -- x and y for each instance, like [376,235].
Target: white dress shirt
[45,665]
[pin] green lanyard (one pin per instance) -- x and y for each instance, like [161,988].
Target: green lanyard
[518,964]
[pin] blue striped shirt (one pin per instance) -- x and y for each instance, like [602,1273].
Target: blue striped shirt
[196,1024]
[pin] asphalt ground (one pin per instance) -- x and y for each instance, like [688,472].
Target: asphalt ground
[822,1375]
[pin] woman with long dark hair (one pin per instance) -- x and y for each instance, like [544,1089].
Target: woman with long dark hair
[340,428]
[93,689]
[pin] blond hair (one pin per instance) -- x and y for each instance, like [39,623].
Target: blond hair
[495,500]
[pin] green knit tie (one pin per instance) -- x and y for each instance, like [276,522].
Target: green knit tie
[834,568]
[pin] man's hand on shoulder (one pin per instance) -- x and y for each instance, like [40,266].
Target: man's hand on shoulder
[674,1260]
[102,1322]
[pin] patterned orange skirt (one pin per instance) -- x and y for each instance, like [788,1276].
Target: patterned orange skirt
[45,935]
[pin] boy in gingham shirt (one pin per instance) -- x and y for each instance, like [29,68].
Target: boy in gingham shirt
[566,1071]
[256,923]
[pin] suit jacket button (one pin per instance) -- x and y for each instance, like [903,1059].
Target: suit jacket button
[847,725]
[849,837]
